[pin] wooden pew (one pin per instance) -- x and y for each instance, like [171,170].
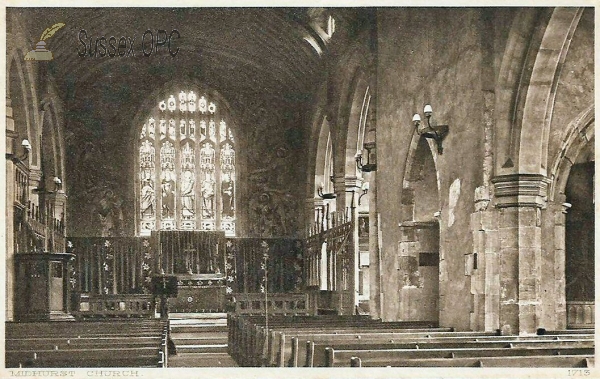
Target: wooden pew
[246,338]
[141,343]
[518,361]
[315,354]
[280,343]
[398,357]
[88,357]
[252,344]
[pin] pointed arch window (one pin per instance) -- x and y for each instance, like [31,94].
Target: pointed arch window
[187,166]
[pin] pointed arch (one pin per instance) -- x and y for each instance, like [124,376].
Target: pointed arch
[187,173]
[529,74]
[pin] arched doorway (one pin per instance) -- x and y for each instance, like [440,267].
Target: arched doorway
[418,252]
[579,241]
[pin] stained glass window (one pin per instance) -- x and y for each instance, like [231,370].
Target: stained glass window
[187,166]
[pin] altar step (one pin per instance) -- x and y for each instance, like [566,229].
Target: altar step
[200,340]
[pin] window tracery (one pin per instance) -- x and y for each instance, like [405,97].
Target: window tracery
[187,172]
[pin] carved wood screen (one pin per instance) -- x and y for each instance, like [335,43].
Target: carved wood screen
[191,252]
[247,258]
[125,265]
[114,265]
[330,264]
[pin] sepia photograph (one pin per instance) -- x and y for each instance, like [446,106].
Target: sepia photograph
[301,190]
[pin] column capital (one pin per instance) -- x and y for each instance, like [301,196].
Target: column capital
[521,190]
[315,202]
[339,183]
[59,197]
[353,182]
[35,176]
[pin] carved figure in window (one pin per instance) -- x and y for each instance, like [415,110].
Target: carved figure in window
[168,196]
[208,197]
[187,195]
[227,195]
[148,199]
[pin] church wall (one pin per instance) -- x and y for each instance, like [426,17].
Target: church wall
[101,163]
[431,57]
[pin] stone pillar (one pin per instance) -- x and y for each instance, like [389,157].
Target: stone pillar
[339,188]
[482,264]
[11,136]
[519,199]
[375,285]
[311,205]
[554,309]
[352,191]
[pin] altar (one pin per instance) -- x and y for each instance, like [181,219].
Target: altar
[199,293]
[197,260]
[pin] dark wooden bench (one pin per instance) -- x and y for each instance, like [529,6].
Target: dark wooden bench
[281,340]
[252,344]
[398,357]
[315,353]
[87,344]
[518,361]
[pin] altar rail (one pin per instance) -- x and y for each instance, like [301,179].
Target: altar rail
[580,314]
[122,305]
[273,304]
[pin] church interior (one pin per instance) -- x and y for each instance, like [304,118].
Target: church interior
[304,187]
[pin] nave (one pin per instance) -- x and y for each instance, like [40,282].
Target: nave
[242,183]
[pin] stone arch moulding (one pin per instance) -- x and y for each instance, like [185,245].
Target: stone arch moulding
[319,116]
[525,101]
[410,161]
[29,98]
[539,103]
[578,134]
[359,92]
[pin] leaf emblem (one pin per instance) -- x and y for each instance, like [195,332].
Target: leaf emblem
[50,31]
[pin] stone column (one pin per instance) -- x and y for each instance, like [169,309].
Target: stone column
[352,190]
[554,309]
[11,137]
[482,264]
[339,188]
[519,199]
[311,205]
[375,287]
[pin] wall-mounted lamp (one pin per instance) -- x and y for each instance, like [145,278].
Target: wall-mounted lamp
[437,132]
[325,196]
[365,190]
[57,184]
[57,187]
[367,167]
[26,147]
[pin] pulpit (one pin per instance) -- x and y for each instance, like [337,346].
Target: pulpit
[42,286]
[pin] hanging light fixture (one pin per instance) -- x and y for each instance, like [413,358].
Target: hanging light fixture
[435,132]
